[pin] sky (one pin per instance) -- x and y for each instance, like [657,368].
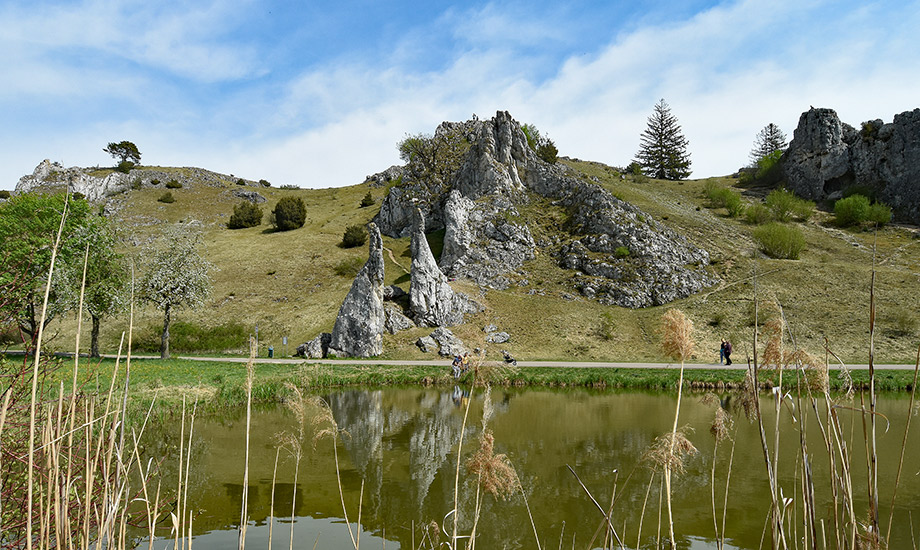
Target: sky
[317,94]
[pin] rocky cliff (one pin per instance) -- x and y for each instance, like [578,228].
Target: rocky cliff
[358,330]
[826,156]
[620,254]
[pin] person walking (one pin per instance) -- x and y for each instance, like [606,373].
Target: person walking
[722,351]
[728,352]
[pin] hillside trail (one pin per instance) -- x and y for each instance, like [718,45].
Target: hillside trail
[393,259]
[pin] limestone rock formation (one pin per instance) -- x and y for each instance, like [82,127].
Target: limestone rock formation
[826,156]
[432,301]
[316,348]
[448,344]
[251,196]
[394,319]
[426,344]
[358,330]
[622,254]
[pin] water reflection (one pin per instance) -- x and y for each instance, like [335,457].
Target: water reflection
[402,445]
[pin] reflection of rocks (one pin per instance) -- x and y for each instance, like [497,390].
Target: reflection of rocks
[360,414]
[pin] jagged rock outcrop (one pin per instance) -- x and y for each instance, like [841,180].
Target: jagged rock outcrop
[316,348]
[394,319]
[448,344]
[358,330]
[432,302]
[826,156]
[380,179]
[251,196]
[623,255]
[426,344]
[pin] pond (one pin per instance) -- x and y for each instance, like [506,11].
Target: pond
[397,457]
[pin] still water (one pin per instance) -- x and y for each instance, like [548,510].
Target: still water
[401,445]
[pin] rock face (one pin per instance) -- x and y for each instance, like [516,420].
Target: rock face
[316,348]
[622,255]
[358,330]
[826,156]
[432,302]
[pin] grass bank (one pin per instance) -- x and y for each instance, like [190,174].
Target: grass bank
[219,385]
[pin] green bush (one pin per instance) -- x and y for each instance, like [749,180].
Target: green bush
[758,214]
[852,210]
[368,200]
[125,166]
[264,183]
[4,194]
[241,181]
[189,337]
[780,241]
[879,214]
[766,171]
[173,184]
[167,197]
[349,267]
[355,235]
[621,252]
[154,181]
[548,152]
[289,213]
[723,197]
[245,214]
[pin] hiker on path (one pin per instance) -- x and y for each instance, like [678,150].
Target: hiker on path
[722,351]
[455,366]
[728,352]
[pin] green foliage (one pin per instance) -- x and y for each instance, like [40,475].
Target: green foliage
[780,241]
[758,214]
[770,142]
[124,150]
[154,181]
[532,135]
[879,214]
[167,197]
[852,210]
[241,181]
[265,183]
[4,194]
[355,235]
[663,147]
[368,200]
[187,337]
[138,183]
[621,252]
[723,197]
[174,184]
[349,267]
[433,158]
[767,170]
[245,214]
[541,145]
[785,206]
[548,152]
[290,213]
[124,166]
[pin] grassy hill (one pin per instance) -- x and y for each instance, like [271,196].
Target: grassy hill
[287,284]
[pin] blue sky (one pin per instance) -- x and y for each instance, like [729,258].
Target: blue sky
[317,94]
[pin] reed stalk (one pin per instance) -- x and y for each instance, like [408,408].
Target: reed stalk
[244,512]
[897,479]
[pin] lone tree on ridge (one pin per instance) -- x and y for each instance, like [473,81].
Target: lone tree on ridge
[124,150]
[663,147]
[768,141]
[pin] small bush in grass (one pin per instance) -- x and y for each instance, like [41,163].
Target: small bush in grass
[852,210]
[349,267]
[167,197]
[785,206]
[758,214]
[780,241]
[355,235]
[368,200]
[245,214]
[621,252]
[879,214]
[734,204]
[264,183]
[289,213]
[241,181]
[723,197]
[125,166]
[173,184]
[4,194]
[154,181]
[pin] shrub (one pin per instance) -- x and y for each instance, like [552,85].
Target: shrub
[852,210]
[733,203]
[349,267]
[167,197]
[879,214]
[548,152]
[173,184]
[766,171]
[621,252]
[780,241]
[368,200]
[264,183]
[355,235]
[780,202]
[125,166]
[758,214]
[245,214]
[723,197]
[4,194]
[154,181]
[289,213]
[241,181]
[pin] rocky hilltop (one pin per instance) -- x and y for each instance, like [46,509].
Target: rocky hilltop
[618,254]
[826,156]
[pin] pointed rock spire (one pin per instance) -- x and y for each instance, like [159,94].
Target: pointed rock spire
[358,330]
[431,298]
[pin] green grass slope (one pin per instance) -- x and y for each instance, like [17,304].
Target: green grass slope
[286,283]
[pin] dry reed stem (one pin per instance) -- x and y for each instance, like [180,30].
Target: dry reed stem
[244,512]
[466,413]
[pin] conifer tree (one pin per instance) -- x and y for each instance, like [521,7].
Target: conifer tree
[663,147]
[768,141]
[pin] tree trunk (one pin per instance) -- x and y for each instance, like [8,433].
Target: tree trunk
[94,337]
[164,340]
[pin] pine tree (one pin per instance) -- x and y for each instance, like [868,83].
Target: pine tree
[768,141]
[663,147]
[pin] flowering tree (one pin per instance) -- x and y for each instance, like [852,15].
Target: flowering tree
[176,276]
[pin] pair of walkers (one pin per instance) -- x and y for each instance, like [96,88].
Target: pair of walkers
[725,352]
[460,365]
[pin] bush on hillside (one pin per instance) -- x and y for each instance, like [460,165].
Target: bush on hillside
[4,194]
[766,171]
[167,197]
[780,241]
[125,166]
[173,184]
[244,215]
[879,214]
[368,200]
[723,197]
[264,183]
[349,267]
[758,214]
[355,235]
[241,181]
[857,209]
[289,213]
[785,206]
[548,152]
